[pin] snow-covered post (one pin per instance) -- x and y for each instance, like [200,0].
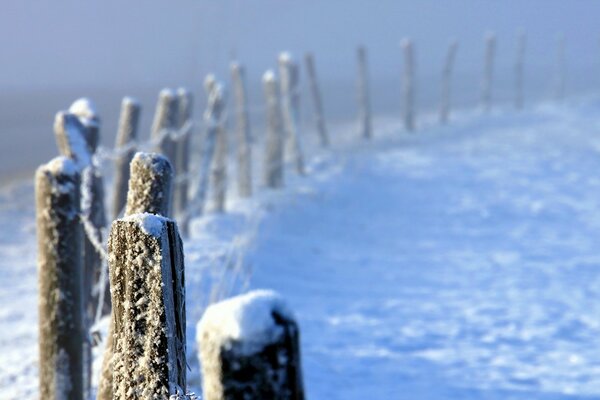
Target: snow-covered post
[409,84]
[561,70]
[164,124]
[488,71]
[521,43]
[181,195]
[273,156]
[148,296]
[446,82]
[218,170]
[364,101]
[309,61]
[61,321]
[290,100]
[125,149]
[244,149]
[249,349]
[85,110]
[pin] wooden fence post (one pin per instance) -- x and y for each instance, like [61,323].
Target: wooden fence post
[290,100]
[521,43]
[164,124]
[62,328]
[185,125]
[488,72]
[244,149]
[249,349]
[364,102]
[218,168]
[409,85]
[446,82]
[273,156]
[85,110]
[309,61]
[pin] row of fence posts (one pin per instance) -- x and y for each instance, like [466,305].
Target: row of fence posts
[143,264]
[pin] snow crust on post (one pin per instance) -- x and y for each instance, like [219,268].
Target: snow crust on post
[249,348]
[364,102]
[244,149]
[311,72]
[70,139]
[86,112]
[409,85]
[150,183]
[125,148]
[488,71]
[273,156]
[184,125]
[61,321]
[446,82]
[290,100]
[164,124]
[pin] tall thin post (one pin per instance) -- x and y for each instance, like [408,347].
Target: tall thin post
[519,62]
[364,101]
[561,67]
[488,72]
[165,123]
[311,72]
[409,85]
[61,320]
[185,126]
[446,82]
[273,156]
[244,149]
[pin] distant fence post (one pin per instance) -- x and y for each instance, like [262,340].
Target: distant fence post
[182,158]
[561,69]
[409,85]
[218,170]
[521,43]
[488,71]
[243,139]
[164,124]
[290,96]
[311,72]
[446,82]
[62,328]
[125,148]
[364,102]
[249,349]
[273,152]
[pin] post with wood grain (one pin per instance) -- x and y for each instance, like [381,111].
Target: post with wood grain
[164,124]
[185,127]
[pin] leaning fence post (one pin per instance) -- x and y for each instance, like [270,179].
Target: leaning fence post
[290,100]
[446,82]
[364,102]
[309,61]
[125,149]
[164,123]
[521,43]
[182,158]
[409,85]
[488,71]
[273,156]
[249,349]
[61,321]
[244,149]
[561,70]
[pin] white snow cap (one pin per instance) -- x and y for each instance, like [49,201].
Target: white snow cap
[269,76]
[151,224]
[62,165]
[285,57]
[127,100]
[167,93]
[247,319]
[85,109]
[209,82]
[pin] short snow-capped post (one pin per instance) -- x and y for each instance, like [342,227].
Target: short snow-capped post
[60,242]
[250,349]
[309,61]
[364,101]
[125,149]
[519,62]
[488,71]
[446,82]
[273,151]
[164,124]
[408,84]
[243,137]
[290,100]
[184,125]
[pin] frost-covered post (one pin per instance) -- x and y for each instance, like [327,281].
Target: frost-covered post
[184,125]
[561,70]
[273,156]
[446,82]
[290,100]
[364,101]
[85,110]
[164,124]
[249,349]
[243,137]
[148,296]
[409,84]
[125,149]
[61,320]
[218,170]
[488,71]
[309,61]
[521,43]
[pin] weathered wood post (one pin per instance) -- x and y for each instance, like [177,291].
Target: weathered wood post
[150,182]
[311,72]
[273,156]
[364,101]
[290,100]
[561,69]
[521,43]
[218,169]
[409,84]
[125,149]
[85,110]
[250,349]
[446,82]
[62,327]
[185,126]
[244,148]
[164,124]
[488,72]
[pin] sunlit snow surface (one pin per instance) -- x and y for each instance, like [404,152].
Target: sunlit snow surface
[456,262]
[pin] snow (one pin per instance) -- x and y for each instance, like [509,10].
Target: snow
[269,76]
[246,318]
[77,145]
[86,110]
[151,224]
[62,165]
